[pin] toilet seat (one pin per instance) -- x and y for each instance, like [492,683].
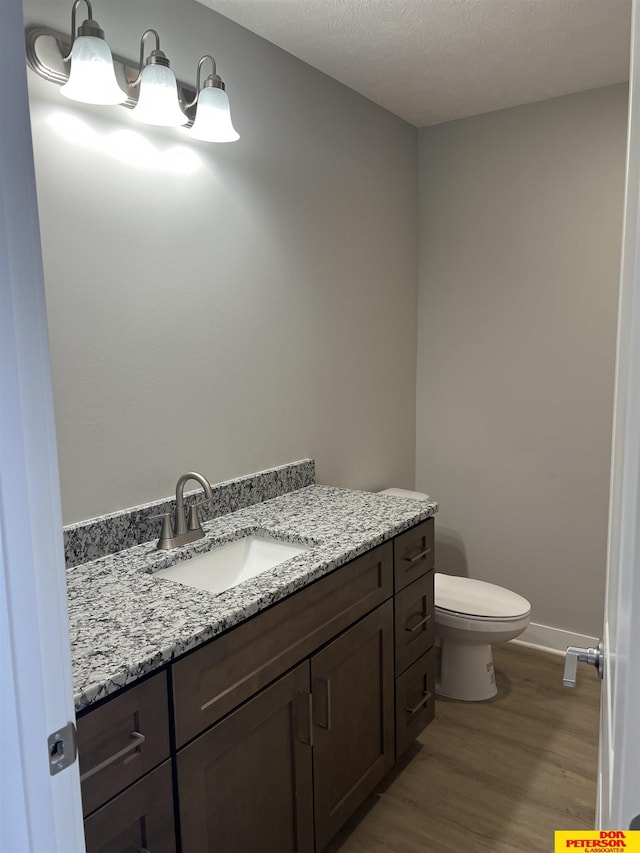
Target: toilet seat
[471,617]
[478,601]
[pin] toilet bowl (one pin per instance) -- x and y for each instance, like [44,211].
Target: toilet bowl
[470,616]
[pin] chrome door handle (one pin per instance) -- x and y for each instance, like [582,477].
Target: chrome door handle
[575,655]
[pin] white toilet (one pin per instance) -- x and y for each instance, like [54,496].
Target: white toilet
[470,616]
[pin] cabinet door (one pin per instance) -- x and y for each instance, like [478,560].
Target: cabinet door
[141,818]
[353,719]
[245,785]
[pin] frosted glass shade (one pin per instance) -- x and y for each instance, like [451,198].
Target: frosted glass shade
[92,79]
[158,99]
[213,117]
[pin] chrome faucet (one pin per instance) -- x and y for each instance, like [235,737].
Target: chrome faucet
[183,533]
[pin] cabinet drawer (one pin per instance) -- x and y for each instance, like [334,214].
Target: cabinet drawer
[415,701]
[211,681]
[414,621]
[122,740]
[141,818]
[413,553]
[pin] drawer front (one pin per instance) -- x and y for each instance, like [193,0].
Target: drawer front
[122,740]
[141,818]
[414,621]
[415,701]
[211,681]
[413,553]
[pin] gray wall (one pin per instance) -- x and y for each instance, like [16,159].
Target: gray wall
[231,307]
[520,236]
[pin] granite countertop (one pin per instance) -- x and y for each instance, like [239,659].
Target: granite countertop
[125,622]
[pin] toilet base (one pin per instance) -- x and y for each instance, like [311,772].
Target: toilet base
[466,672]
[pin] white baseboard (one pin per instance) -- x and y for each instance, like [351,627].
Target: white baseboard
[553,640]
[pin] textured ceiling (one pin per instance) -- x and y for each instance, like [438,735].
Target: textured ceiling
[431,61]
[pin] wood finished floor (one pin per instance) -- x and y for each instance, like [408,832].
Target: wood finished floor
[494,776]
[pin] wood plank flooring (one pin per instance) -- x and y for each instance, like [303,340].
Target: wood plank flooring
[495,776]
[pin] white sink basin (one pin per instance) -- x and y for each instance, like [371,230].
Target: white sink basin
[232,563]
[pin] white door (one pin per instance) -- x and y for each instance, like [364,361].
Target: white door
[38,811]
[619,766]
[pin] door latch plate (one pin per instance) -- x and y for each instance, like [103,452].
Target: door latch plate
[62,748]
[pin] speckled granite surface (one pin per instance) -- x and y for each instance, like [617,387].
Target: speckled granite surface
[125,622]
[97,537]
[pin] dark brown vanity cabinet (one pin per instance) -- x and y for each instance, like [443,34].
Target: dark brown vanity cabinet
[281,727]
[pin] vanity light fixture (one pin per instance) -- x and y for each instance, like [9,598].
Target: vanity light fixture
[92,78]
[148,88]
[213,116]
[158,94]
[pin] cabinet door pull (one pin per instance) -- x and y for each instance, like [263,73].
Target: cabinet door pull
[310,705]
[425,698]
[418,556]
[302,699]
[326,683]
[136,741]
[419,624]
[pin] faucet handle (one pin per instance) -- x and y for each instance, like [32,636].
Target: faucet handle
[194,521]
[167,527]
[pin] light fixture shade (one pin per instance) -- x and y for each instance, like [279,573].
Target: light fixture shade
[92,79]
[213,117]
[158,98]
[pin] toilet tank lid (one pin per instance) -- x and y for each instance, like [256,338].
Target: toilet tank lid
[405,493]
[478,598]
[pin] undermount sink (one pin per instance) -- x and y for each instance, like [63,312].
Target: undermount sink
[233,563]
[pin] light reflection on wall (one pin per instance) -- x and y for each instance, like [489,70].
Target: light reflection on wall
[127,146]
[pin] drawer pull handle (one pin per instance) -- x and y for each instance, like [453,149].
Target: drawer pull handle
[136,741]
[425,698]
[419,624]
[418,556]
